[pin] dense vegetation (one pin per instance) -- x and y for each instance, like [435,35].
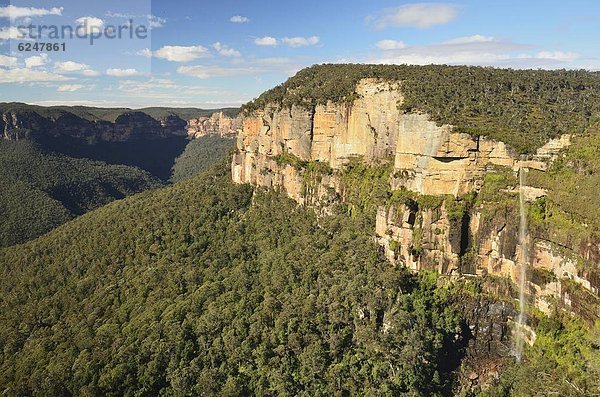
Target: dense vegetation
[192,290]
[523,108]
[40,190]
[199,155]
[206,288]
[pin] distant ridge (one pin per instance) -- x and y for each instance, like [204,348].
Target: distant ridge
[111,114]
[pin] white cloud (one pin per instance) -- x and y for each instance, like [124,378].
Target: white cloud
[290,41]
[164,89]
[89,73]
[465,53]
[179,53]
[226,51]
[205,72]
[74,67]
[112,14]
[23,75]
[478,50]
[123,72]
[7,61]
[300,41]
[418,15]
[36,60]
[477,38]
[10,32]
[137,104]
[70,66]
[150,86]
[156,22]
[89,25]
[145,52]
[228,103]
[589,64]
[69,87]
[239,19]
[160,90]
[387,45]
[266,41]
[556,55]
[12,12]
[96,103]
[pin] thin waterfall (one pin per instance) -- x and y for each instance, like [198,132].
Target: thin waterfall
[523,258]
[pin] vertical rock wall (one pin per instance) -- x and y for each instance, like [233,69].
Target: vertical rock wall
[218,124]
[277,147]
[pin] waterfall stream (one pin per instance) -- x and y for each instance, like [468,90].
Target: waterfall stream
[523,258]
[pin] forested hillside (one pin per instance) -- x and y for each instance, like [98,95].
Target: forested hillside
[523,108]
[206,288]
[40,190]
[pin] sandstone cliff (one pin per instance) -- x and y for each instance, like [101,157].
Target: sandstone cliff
[217,123]
[289,148]
[428,159]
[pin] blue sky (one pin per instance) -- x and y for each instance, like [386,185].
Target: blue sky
[213,54]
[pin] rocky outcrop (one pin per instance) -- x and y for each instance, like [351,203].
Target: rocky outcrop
[331,133]
[488,326]
[489,339]
[217,123]
[435,160]
[496,243]
[21,126]
[367,127]
[128,126]
[420,238]
[174,125]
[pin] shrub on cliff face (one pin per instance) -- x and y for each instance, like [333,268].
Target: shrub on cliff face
[523,108]
[569,213]
[365,187]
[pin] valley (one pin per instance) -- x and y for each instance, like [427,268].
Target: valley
[356,230]
[61,162]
